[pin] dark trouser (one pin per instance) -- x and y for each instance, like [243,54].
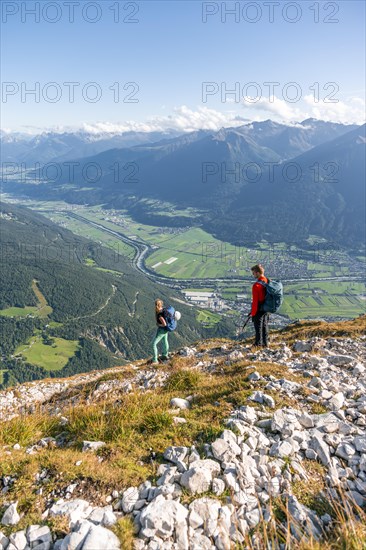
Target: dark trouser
[260,320]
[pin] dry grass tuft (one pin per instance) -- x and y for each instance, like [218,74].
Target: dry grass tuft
[124,529]
[184,380]
[302,330]
[27,429]
[347,530]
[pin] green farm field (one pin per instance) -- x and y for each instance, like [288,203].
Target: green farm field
[198,254]
[326,299]
[94,234]
[208,318]
[19,311]
[147,233]
[50,357]
[313,299]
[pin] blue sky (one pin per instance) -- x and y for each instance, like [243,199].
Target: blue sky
[169,52]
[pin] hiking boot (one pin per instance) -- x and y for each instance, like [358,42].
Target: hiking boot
[164,358]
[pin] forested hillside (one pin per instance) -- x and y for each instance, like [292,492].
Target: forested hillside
[59,316]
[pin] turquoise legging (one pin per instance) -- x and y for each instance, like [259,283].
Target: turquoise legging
[161,334]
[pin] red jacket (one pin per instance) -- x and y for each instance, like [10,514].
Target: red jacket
[258,295]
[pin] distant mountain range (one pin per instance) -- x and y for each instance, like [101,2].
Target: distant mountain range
[284,181]
[57,147]
[290,141]
[326,198]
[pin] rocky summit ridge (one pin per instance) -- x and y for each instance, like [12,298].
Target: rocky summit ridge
[287,468]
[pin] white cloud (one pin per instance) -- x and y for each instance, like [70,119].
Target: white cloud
[283,111]
[182,119]
[185,119]
[351,112]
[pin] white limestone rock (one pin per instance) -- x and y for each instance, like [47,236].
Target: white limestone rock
[188,352]
[340,360]
[225,451]
[76,537]
[301,346]
[92,446]
[254,376]
[196,480]
[38,534]
[179,403]
[129,499]
[204,512]
[4,541]
[19,540]
[103,516]
[336,402]
[281,449]
[11,516]
[75,510]
[248,414]
[176,454]
[100,538]
[162,518]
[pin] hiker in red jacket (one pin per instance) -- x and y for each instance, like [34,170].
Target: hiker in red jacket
[259,318]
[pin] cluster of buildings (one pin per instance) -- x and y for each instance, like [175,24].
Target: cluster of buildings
[209,300]
[116,219]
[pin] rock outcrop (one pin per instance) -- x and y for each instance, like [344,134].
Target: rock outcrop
[213,500]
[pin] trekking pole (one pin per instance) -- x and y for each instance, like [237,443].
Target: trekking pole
[243,327]
[246,322]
